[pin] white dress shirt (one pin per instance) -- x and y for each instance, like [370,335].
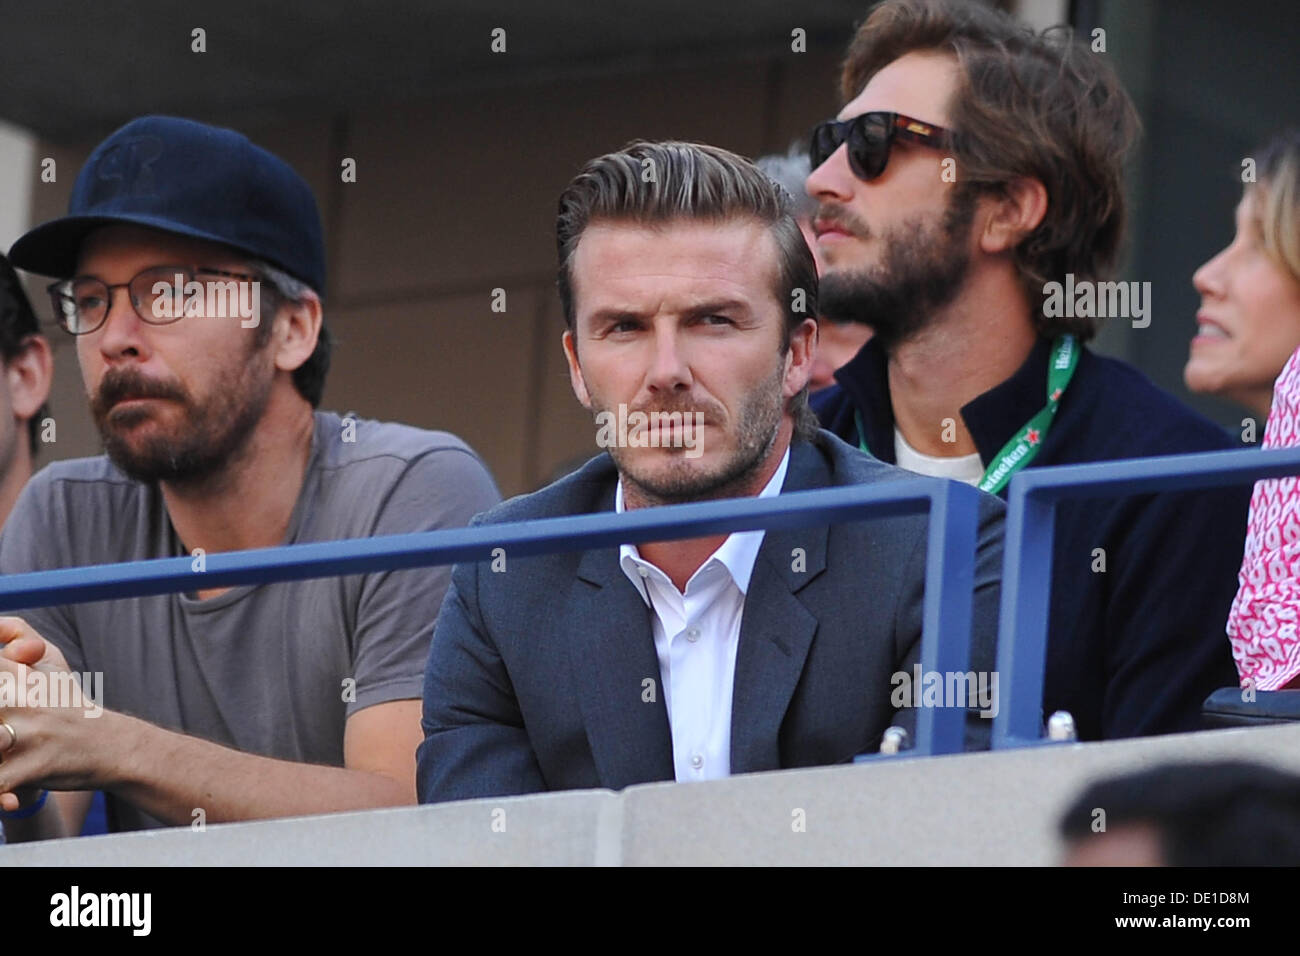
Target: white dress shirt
[696,637]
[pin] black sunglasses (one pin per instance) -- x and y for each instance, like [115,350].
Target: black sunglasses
[870,137]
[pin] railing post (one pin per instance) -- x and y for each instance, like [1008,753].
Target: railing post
[946,624]
[1023,616]
[1032,497]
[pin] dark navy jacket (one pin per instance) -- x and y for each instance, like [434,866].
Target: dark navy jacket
[1133,650]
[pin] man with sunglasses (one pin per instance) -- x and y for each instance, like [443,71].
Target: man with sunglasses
[192,270]
[974,163]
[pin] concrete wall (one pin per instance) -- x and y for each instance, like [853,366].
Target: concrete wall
[969,810]
[17,148]
[455,197]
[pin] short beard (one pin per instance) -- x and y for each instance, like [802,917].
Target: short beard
[210,437]
[922,270]
[756,430]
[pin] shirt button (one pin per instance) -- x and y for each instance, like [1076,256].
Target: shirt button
[693,634]
[697,761]
[643,572]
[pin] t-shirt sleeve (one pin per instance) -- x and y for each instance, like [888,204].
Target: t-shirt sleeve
[31,541]
[397,611]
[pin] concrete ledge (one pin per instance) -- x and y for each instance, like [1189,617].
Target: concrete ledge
[999,808]
[557,829]
[983,809]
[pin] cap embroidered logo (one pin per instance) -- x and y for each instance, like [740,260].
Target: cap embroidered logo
[127,164]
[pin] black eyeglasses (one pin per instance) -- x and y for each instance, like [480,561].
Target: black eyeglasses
[160,295]
[870,137]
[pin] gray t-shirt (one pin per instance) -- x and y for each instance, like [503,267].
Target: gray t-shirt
[261,669]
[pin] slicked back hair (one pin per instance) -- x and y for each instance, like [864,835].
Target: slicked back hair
[1027,105]
[658,183]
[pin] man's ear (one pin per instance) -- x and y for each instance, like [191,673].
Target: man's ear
[575,370]
[29,375]
[799,359]
[1016,212]
[301,325]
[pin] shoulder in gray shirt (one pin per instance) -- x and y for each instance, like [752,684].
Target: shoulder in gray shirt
[275,669]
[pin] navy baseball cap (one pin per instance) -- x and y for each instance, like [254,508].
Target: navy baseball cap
[189,179]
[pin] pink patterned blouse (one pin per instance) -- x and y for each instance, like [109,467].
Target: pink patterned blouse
[1262,624]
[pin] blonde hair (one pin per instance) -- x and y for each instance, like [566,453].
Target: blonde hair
[1277,199]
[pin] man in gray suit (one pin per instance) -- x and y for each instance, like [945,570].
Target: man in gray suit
[687,290]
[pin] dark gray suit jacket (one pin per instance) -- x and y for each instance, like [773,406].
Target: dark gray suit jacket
[536,675]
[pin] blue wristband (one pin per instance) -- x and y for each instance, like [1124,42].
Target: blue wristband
[22,813]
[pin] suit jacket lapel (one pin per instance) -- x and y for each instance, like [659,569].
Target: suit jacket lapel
[776,629]
[612,656]
[612,653]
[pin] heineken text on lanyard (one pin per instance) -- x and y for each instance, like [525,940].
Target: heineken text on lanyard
[1024,444]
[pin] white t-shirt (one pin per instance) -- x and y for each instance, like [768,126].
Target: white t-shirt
[967,468]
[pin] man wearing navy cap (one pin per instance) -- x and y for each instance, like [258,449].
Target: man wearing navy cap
[191,271]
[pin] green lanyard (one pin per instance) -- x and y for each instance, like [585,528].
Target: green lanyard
[1024,444]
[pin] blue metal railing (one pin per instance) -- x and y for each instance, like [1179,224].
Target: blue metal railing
[1027,563]
[945,636]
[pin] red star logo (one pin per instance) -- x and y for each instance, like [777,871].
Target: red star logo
[1031,436]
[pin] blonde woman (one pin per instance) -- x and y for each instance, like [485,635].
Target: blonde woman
[1249,321]
[1250,315]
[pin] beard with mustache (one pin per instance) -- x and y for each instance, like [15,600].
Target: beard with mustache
[210,435]
[922,268]
[681,480]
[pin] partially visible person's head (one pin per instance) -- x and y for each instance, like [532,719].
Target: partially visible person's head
[790,170]
[28,370]
[1195,814]
[1008,156]
[837,340]
[191,270]
[1249,321]
[687,287]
